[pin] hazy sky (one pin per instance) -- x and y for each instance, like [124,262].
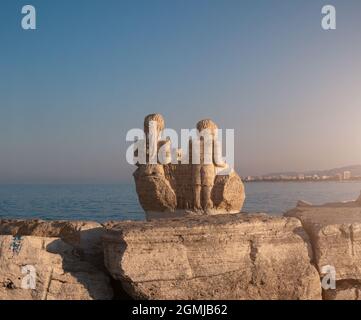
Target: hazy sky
[70,90]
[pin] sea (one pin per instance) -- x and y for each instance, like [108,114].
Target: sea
[120,201]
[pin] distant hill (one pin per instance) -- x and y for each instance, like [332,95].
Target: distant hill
[355,171]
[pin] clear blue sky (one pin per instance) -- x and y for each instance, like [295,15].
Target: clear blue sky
[93,69]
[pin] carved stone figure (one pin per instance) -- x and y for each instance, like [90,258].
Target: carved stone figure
[166,189]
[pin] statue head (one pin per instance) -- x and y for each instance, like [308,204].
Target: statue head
[207,124]
[158,118]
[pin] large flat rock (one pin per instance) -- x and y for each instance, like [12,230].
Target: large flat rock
[213,257]
[43,268]
[83,236]
[335,233]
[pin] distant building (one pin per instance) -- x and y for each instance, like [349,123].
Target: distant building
[347,175]
[284,177]
[301,176]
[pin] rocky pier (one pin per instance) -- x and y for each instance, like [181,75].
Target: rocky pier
[228,256]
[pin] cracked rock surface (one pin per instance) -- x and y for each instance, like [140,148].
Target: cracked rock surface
[213,257]
[230,256]
[335,233]
[43,268]
[336,238]
[83,236]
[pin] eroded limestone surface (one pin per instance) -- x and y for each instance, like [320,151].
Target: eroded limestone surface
[83,236]
[228,256]
[335,233]
[213,257]
[42,268]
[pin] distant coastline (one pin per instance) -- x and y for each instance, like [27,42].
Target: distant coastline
[348,173]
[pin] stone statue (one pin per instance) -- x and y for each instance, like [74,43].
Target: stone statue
[167,189]
[204,174]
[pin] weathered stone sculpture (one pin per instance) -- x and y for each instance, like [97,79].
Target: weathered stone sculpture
[154,190]
[167,189]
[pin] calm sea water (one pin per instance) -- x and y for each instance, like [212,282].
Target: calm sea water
[120,202]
